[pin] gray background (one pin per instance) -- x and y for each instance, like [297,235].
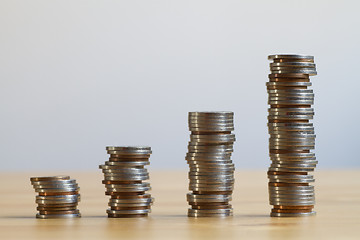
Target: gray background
[79,75]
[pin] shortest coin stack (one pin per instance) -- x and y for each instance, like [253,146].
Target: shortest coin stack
[58,197]
[124,174]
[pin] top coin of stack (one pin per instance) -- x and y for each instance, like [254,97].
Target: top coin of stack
[293,64]
[211,169]
[58,197]
[124,174]
[292,136]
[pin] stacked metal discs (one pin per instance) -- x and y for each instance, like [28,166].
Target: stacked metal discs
[292,136]
[211,173]
[58,197]
[124,174]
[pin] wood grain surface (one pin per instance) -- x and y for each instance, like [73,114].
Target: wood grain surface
[337,196]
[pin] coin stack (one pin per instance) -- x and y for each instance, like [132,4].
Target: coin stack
[211,176]
[58,197]
[292,136]
[124,174]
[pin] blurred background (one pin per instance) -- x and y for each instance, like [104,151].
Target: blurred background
[76,76]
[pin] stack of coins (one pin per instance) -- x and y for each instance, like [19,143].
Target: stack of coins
[211,173]
[58,197]
[124,174]
[292,136]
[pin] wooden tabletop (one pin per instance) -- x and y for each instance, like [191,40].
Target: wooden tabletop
[337,196]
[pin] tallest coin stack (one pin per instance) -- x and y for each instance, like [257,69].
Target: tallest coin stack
[292,136]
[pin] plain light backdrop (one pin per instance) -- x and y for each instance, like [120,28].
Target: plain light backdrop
[76,76]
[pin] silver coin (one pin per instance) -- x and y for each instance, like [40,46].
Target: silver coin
[215,129]
[211,114]
[292,214]
[127,212]
[292,144]
[210,121]
[216,166]
[127,178]
[58,201]
[211,181]
[296,97]
[57,197]
[125,171]
[129,153]
[211,189]
[292,203]
[212,185]
[272,158]
[290,56]
[290,117]
[212,178]
[195,198]
[211,148]
[213,170]
[210,211]
[129,204]
[291,130]
[218,215]
[311,72]
[292,195]
[213,151]
[135,200]
[291,148]
[293,134]
[303,140]
[59,190]
[292,155]
[223,155]
[291,96]
[310,191]
[283,169]
[72,185]
[289,84]
[129,148]
[291,198]
[210,174]
[127,164]
[293,64]
[49,216]
[292,176]
[208,163]
[116,167]
[128,190]
[69,181]
[290,91]
[290,166]
[133,185]
[308,163]
[292,188]
[291,102]
[292,68]
[291,111]
[204,157]
[280,180]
